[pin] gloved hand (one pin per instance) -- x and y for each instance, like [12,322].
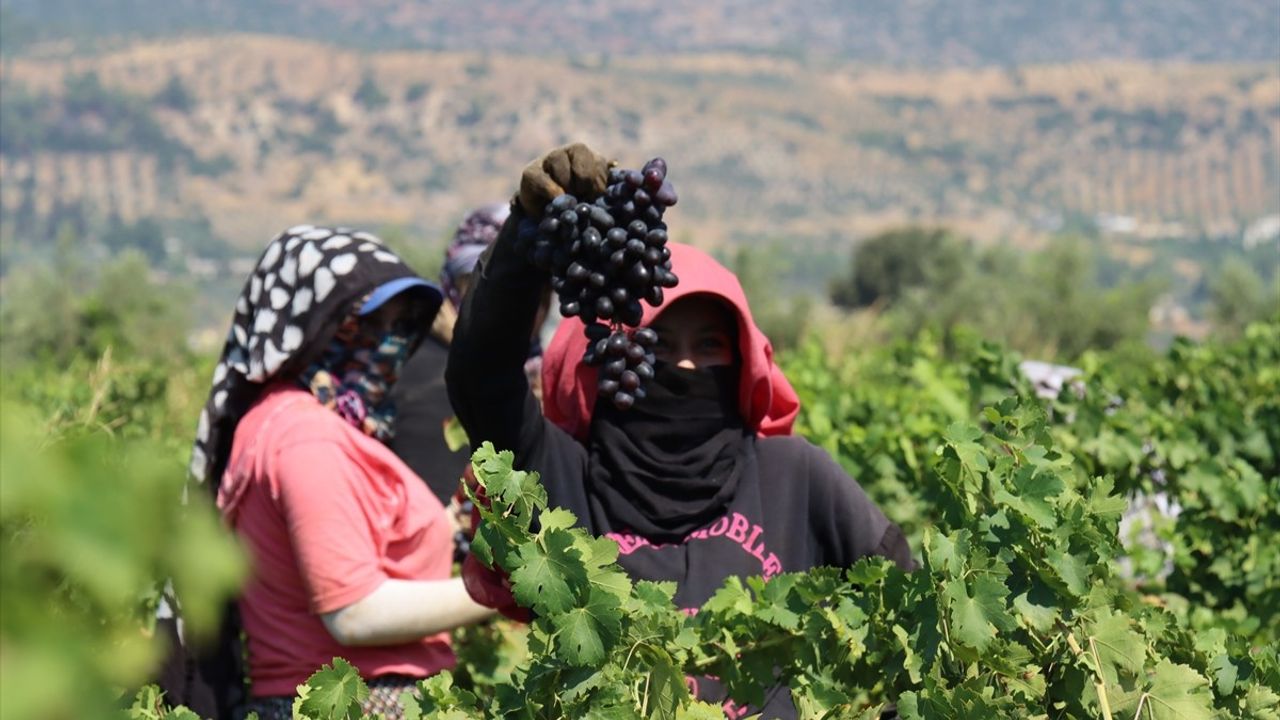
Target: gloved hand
[574,169]
[492,588]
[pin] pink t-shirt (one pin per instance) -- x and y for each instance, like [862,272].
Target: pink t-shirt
[328,513]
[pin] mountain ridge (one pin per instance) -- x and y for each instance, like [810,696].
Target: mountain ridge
[928,33]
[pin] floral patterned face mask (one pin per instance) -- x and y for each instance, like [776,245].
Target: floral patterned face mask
[354,376]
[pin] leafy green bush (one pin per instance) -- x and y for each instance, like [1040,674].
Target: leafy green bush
[89,524]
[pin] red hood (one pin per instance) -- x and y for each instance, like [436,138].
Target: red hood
[767,401]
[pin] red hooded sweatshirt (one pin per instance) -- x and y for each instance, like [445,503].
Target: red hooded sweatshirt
[793,508]
[768,403]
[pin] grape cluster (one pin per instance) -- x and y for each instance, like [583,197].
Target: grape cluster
[605,257]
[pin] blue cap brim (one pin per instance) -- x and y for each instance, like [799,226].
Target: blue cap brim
[391,288]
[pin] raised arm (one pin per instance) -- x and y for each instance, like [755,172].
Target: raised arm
[485,375]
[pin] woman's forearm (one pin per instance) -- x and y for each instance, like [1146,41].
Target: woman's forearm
[401,611]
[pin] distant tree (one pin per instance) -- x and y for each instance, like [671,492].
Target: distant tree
[1073,312]
[64,309]
[1239,296]
[369,94]
[887,265]
[1049,304]
[145,236]
[175,95]
[21,120]
[416,92]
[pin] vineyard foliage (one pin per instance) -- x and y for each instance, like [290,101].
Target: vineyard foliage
[92,524]
[1111,552]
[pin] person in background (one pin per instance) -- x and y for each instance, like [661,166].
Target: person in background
[351,553]
[701,479]
[423,402]
[420,396]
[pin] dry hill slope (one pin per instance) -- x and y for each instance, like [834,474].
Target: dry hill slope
[760,148]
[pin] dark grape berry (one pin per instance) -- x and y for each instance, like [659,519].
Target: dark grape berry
[665,195]
[653,179]
[639,275]
[618,343]
[646,337]
[628,380]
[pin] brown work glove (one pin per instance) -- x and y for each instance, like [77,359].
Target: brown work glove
[575,169]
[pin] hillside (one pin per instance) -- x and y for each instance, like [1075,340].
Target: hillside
[252,133]
[915,32]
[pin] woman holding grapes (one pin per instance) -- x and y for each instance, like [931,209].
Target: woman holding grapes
[697,477]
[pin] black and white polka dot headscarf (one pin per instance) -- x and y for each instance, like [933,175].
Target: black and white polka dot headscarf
[306,282]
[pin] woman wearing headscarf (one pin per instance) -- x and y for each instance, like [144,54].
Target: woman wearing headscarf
[351,552]
[699,481]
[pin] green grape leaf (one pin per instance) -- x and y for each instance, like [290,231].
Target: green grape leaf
[438,692]
[1117,645]
[584,635]
[1177,693]
[909,706]
[972,616]
[1070,571]
[1261,702]
[660,594]
[334,692]
[1032,493]
[611,580]
[731,597]
[946,553]
[505,485]
[547,577]
[480,545]
[1038,617]
[1101,500]
[666,690]
[600,551]
[912,661]
[556,519]
[455,436]
[700,711]
[1225,674]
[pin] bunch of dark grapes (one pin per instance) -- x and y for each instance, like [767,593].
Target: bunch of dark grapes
[605,258]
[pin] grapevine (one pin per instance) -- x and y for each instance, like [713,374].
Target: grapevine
[1023,606]
[1017,611]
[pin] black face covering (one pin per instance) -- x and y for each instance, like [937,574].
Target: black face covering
[671,463]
